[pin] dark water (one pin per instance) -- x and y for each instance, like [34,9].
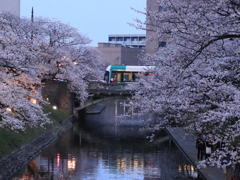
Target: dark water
[103,147]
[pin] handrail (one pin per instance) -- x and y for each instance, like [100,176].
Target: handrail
[98,85]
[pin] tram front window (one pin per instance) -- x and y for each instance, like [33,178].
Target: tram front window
[106,76]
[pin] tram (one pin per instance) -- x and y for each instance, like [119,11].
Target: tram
[125,73]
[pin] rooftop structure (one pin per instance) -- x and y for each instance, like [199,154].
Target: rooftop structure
[129,40]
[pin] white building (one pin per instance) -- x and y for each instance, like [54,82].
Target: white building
[10,6]
[129,40]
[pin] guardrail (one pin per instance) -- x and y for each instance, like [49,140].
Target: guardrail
[109,88]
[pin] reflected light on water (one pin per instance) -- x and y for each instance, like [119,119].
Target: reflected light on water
[71,164]
[189,168]
[58,160]
[97,151]
[185,168]
[180,168]
[125,168]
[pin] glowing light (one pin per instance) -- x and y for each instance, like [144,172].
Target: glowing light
[65,58]
[54,107]
[9,109]
[34,101]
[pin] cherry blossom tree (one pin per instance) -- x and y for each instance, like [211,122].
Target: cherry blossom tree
[35,50]
[196,79]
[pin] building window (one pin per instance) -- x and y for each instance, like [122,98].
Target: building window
[127,39]
[119,38]
[111,39]
[162,9]
[142,38]
[134,38]
[162,44]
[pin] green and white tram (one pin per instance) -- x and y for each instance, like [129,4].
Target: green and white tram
[124,73]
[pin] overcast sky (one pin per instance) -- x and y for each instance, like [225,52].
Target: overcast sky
[94,18]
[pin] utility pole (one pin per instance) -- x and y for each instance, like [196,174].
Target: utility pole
[32,17]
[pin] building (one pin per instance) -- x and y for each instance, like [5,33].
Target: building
[119,54]
[10,6]
[130,40]
[152,44]
[123,49]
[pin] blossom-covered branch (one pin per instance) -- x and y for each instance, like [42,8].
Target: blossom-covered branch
[32,51]
[196,79]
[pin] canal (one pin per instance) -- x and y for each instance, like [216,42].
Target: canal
[103,146]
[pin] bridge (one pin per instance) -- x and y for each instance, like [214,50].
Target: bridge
[101,91]
[102,88]
[58,94]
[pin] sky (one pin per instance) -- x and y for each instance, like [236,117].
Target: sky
[94,18]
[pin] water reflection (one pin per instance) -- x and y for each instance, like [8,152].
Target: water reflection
[109,125]
[98,148]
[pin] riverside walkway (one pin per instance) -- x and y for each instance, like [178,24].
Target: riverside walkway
[187,144]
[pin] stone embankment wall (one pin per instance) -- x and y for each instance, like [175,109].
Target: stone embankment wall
[13,162]
[58,94]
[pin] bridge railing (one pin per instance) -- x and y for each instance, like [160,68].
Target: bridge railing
[105,91]
[99,85]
